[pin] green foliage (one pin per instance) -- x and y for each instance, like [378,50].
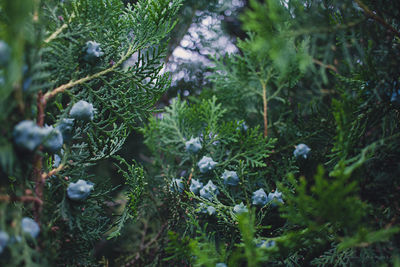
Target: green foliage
[135,183]
[308,73]
[320,73]
[48,72]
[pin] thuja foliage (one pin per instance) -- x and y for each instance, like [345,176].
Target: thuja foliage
[68,100]
[308,112]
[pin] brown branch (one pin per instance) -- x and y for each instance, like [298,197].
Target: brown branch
[37,162]
[190,176]
[378,19]
[327,66]
[265,114]
[7,198]
[52,172]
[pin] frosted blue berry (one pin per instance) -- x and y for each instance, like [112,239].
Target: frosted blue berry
[193,145]
[395,97]
[93,50]
[57,161]
[240,208]
[195,186]
[206,164]
[3,240]
[53,139]
[30,227]
[177,184]
[242,126]
[275,197]
[202,208]
[26,84]
[28,135]
[66,127]
[259,197]
[301,150]
[82,110]
[212,137]
[230,177]
[221,264]
[209,191]
[266,244]
[4,53]
[80,190]
[211,210]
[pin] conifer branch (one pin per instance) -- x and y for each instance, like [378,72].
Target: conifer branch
[372,14]
[56,33]
[59,30]
[71,84]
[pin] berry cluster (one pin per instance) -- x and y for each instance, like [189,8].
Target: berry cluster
[260,198]
[28,135]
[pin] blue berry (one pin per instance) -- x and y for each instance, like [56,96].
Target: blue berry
[275,197]
[30,227]
[3,240]
[203,208]
[221,264]
[259,197]
[209,191]
[211,210]
[93,50]
[206,164]
[82,110]
[240,208]
[266,244]
[57,161]
[195,186]
[5,52]
[241,126]
[66,127]
[395,97]
[53,140]
[80,190]
[193,145]
[230,177]
[301,150]
[26,84]
[28,135]
[212,137]
[177,184]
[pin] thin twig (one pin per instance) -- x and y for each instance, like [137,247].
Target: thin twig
[7,198]
[375,17]
[52,172]
[59,30]
[37,162]
[265,103]
[56,33]
[326,66]
[190,176]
